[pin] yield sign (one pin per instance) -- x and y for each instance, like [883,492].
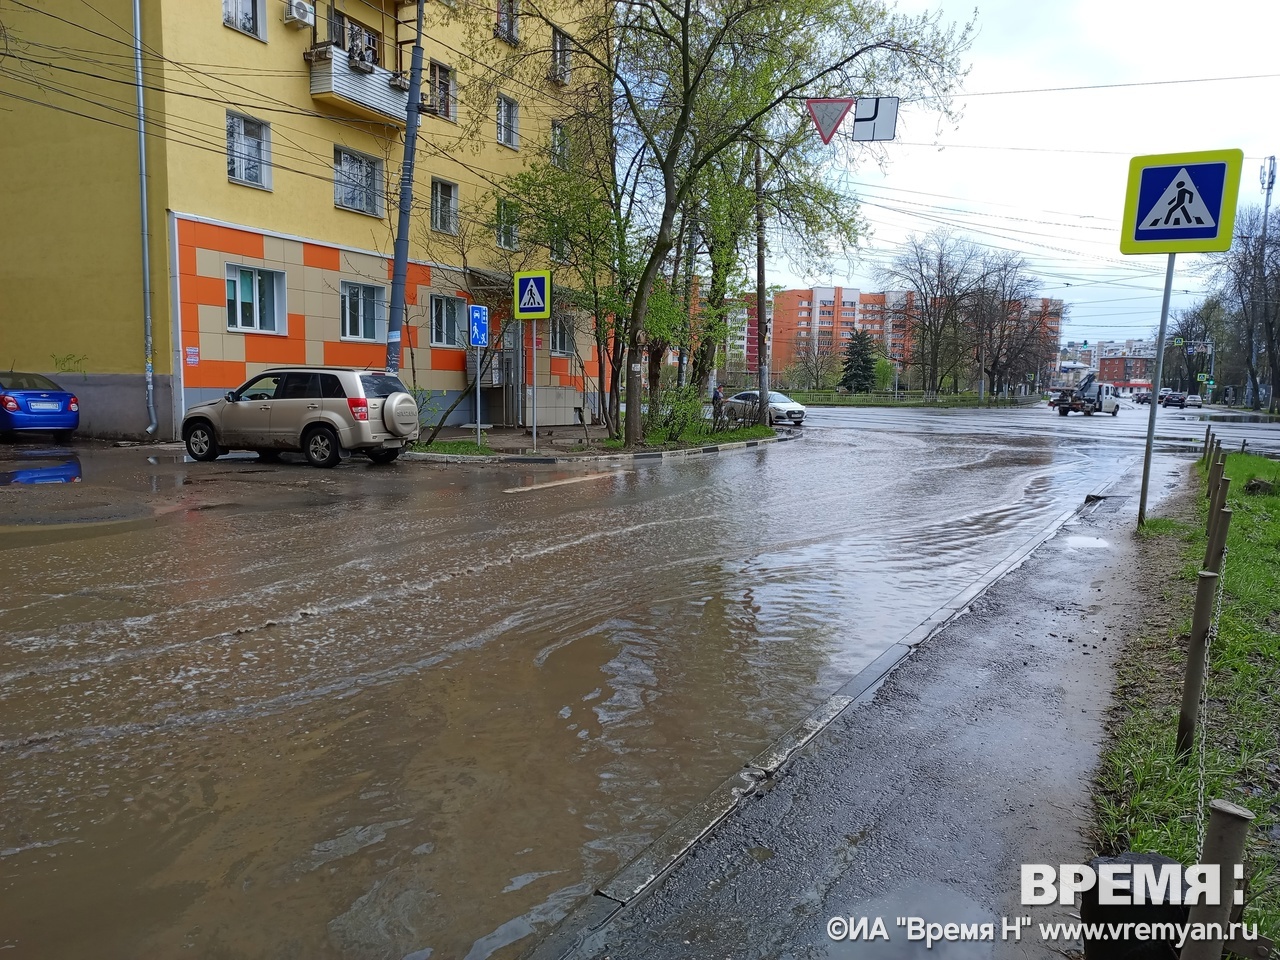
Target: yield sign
[828,113]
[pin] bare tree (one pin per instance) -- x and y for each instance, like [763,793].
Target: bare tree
[815,366]
[943,273]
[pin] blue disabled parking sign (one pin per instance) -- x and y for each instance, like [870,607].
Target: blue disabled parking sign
[479,326]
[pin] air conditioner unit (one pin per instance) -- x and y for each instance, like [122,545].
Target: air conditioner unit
[299,13]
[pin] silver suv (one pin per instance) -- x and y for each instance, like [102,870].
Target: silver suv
[323,412]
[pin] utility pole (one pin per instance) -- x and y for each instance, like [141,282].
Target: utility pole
[762,329]
[1267,177]
[400,267]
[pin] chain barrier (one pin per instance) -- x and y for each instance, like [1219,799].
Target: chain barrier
[1202,722]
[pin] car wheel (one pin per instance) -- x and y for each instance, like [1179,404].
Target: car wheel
[268,456]
[383,454]
[320,444]
[1114,411]
[201,441]
[1063,411]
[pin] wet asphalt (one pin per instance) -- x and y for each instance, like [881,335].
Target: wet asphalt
[425,710]
[974,757]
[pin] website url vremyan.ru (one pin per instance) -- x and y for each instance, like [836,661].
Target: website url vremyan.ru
[1012,928]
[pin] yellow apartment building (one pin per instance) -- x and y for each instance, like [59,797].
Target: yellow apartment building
[273,132]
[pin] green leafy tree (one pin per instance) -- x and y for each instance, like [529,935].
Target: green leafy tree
[884,374]
[860,363]
[693,81]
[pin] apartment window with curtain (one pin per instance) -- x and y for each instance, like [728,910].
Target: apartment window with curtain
[447,327]
[362,311]
[561,336]
[245,16]
[507,227]
[357,182]
[442,91]
[444,206]
[255,299]
[248,151]
[560,47]
[508,122]
[559,145]
[507,28]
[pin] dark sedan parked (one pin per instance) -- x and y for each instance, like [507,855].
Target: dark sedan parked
[1175,400]
[31,402]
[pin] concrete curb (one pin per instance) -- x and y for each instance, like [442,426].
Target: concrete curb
[603,458]
[587,922]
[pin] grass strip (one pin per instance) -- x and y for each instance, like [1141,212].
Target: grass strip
[456,448]
[1146,799]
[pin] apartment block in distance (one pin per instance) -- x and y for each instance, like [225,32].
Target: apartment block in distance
[274,132]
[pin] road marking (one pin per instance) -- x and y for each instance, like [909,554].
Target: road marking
[560,483]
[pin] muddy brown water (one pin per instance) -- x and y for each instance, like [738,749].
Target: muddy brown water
[420,712]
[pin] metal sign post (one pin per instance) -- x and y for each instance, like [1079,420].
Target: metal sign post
[532,301]
[479,340]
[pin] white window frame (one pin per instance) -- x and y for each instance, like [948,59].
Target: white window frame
[444,220]
[559,145]
[264,283]
[561,66]
[443,97]
[368,297]
[441,307]
[558,240]
[562,340]
[508,122]
[341,181]
[246,16]
[239,160]
[508,26]
[507,224]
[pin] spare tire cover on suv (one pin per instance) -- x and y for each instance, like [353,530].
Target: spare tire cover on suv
[400,414]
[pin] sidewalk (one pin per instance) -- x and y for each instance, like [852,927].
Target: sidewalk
[924,798]
[560,440]
[569,443]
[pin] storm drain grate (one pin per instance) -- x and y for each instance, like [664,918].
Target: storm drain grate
[1111,505]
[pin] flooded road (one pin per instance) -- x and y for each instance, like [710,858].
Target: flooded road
[254,710]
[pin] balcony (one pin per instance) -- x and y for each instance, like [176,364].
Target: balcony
[357,86]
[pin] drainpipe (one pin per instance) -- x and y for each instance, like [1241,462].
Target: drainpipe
[142,193]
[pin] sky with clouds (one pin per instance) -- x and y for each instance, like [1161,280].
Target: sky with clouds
[1061,94]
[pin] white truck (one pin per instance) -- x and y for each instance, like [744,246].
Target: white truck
[1090,397]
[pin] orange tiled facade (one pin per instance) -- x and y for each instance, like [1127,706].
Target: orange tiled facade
[310,281]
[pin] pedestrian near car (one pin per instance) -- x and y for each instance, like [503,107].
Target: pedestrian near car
[717,406]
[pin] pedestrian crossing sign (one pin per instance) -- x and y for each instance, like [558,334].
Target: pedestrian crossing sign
[1181,202]
[533,295]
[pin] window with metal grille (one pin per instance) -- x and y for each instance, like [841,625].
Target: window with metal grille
[507,27]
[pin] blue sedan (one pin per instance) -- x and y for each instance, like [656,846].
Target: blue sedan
[29,401]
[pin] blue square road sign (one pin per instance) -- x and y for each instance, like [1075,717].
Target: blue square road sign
[479,326]
[1181,202]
